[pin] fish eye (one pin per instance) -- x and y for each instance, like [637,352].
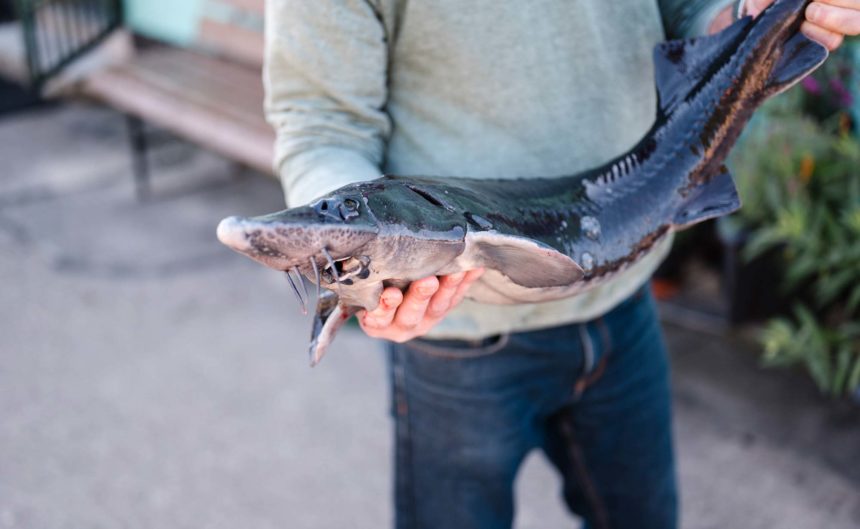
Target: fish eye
[348,208]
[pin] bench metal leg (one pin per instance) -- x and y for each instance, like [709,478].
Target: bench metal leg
[140,163]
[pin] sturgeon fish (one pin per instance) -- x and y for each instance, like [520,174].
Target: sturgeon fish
[542,239]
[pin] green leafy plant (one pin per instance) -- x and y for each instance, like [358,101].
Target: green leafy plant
[798,170]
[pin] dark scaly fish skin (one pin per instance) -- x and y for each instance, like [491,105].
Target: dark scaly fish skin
[545,238]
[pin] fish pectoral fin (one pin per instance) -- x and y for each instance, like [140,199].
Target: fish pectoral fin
[800,57]
[717,197]
[679,64]
[526,262]
[330,316]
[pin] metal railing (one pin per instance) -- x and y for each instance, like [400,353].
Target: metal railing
[56,32]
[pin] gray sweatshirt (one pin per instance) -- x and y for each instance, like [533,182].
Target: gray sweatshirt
[477,88]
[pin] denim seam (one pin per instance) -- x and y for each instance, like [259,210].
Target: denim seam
[586,381]
[605,336]
[592,373]
[405,489]
[577,461]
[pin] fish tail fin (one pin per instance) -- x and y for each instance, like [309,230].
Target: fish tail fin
[714,198]
[800,56]
[679,64]
[790,11]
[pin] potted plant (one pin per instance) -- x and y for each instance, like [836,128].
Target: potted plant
[798,173]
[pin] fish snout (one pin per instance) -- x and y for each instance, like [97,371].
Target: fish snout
[283,245]
[231,233]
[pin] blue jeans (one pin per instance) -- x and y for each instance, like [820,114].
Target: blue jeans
[593,396]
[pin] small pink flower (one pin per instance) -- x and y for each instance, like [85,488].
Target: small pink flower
[811,85]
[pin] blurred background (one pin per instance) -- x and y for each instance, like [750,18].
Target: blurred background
[151,378]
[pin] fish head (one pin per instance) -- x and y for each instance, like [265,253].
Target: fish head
[369,232]
[353,242]
[332,228]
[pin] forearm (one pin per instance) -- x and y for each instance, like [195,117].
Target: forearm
[325,77]
[313,172]
[723,19]
[692,18]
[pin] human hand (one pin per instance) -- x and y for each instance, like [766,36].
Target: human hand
[827,21]
[400,317]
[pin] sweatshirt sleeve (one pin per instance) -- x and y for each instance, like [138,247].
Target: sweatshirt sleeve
[325,74]
[690,18]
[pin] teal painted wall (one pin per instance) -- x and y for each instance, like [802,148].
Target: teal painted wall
[173,21]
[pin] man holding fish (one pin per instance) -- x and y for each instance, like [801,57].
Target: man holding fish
[500,89]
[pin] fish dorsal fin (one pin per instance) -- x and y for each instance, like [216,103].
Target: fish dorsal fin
[718,196]
[679,64]
[524,261]
[800,57]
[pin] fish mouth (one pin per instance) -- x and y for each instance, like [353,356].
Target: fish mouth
[342,271]
[326,269]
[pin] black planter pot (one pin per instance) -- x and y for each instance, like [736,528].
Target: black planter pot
[699,242]
[753,288]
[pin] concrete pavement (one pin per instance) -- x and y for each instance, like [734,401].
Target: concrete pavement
[150,378]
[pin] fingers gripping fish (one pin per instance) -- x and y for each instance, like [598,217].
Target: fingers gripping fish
[542,239]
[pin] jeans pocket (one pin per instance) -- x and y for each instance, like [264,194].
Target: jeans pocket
[459,349]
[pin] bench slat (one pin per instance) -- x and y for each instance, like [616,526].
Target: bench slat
[231,41]
[254,6]
[204,80]
[178,90]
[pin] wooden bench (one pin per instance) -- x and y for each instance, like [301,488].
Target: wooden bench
[211,94]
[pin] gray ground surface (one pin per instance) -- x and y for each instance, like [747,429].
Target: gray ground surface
[151,379]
